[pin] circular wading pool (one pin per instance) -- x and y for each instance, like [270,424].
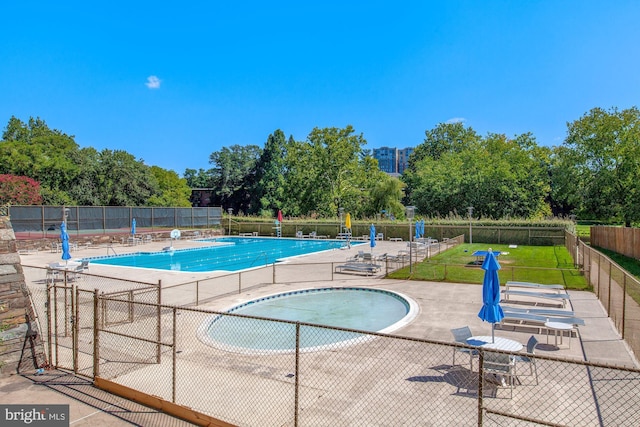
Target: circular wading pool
[362,309]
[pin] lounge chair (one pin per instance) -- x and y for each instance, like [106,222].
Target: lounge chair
[540,319]
[563,298]
[503,365]
[539,311]
[460,335]
[531,348]
[359,267]
[356,258]
[540,286]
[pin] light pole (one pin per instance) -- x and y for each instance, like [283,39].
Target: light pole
[470,209]
[411,210]
[230,210]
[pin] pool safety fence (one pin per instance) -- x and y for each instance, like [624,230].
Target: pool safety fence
[531,236]
[617,289]
[63,303]
[44,221]
[176,357]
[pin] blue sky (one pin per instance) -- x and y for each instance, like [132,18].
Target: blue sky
[172,82]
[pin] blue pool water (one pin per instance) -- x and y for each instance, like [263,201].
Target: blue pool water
[364,309]
[234,255]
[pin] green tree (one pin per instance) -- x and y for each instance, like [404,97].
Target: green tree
[604,153]
[32,149]
[268,193]
[444,139]
[498,176]
[233,175]
[198,178]
[328,171]
[386,194]
[174,190]
[124,181]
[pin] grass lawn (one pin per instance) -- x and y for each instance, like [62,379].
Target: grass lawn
[539,264]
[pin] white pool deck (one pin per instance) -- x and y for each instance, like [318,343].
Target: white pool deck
[443,306]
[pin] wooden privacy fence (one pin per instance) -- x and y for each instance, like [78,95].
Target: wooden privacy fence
[622,240]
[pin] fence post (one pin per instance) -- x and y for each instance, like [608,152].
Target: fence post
[624,302]
[297,375]
[197,293]
[174,355]
[480,385]
[599,268]
[75,330]
[96,335]
[159,322]
[273,280]
[55,320]
[49,334]
[609,297]
[130,305]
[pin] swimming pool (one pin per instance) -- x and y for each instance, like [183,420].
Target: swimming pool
[229,254]
[363,309]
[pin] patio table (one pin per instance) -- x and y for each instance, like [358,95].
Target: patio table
[498,343]
[481,254]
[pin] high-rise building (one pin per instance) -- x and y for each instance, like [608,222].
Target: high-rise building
[403,159]
[392,160]
[387,159]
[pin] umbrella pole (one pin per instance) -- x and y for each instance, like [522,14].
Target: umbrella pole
[493,332]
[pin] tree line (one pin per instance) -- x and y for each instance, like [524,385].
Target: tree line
[593,174]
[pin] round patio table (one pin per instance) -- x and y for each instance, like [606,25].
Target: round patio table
[498,343]
[559,328]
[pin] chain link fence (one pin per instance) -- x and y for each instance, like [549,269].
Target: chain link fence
[532,236]
[617,290]
[120,331]
[225,366]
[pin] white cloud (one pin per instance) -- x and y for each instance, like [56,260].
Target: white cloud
[153,82]
[456,120]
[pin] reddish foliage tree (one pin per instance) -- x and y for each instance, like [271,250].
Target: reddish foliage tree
[19,190]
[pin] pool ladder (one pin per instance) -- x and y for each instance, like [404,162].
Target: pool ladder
[266,259]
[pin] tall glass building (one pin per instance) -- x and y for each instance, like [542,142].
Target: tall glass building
[392,160]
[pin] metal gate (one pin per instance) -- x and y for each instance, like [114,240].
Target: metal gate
[70,318]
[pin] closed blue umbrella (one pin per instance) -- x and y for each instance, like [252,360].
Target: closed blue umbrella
[372,237]
[417,236]
[64,237]
[422,228]
[491,311]
[133,227]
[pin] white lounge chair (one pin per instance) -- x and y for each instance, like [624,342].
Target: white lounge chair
[360,267]
[563,298]
[540,286]
[540,319]
[539,311]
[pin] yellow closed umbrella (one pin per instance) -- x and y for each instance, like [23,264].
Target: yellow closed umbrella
[347,221]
